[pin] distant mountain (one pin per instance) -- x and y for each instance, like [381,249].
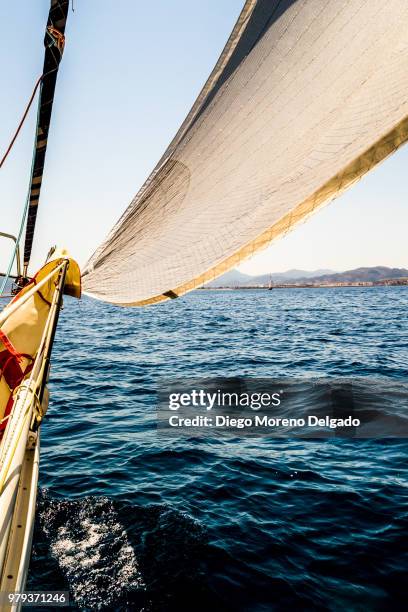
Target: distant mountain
[234,278]
[376,273]
[287,277]
[293,274]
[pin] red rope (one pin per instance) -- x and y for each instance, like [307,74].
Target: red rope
[21,122]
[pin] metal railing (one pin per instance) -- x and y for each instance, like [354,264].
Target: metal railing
[17,249]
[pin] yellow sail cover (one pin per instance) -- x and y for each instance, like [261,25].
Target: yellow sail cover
[307,96]
[21,333]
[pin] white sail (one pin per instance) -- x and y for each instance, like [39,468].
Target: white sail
[307,96]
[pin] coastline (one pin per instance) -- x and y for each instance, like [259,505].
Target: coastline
[403,282]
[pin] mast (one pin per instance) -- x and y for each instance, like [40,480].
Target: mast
[54,46]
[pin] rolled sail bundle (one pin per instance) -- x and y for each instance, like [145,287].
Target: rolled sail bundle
[307,96]
[54,43]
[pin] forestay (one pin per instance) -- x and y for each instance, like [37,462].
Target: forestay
[307,96]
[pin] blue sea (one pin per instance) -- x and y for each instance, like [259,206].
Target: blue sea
[131,520]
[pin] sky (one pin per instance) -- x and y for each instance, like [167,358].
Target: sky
[131,71]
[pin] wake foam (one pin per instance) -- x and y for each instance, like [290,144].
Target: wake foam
[92,549]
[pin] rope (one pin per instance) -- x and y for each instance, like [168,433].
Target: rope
[6,467]
[27,203]
[58,39]
[20,125]
[4,419]
[39,412]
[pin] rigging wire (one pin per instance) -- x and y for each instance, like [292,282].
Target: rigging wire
[20,125]
[27,202]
